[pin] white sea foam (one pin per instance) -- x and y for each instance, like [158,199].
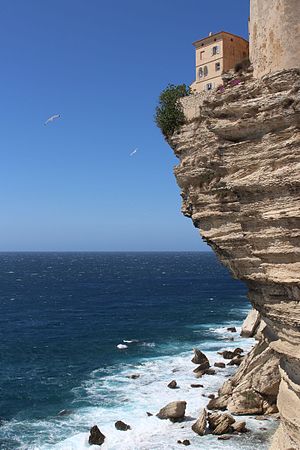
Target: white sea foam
[114,397]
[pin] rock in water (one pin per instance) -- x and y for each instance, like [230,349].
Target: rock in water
[231,329]
[96,437]
[220,423]
[202,367]
[185,442]
[199,426]
[227,354]
[239,427]
[209,372]
[218,403]
[220,364]
[238,351]
[134,376]
[199,358]
[172,384]
[196,385]
[122,426]
[173,411]
[236,361]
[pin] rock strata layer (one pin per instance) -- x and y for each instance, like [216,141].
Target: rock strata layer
[240,184]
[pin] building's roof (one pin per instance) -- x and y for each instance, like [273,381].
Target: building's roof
[215,35]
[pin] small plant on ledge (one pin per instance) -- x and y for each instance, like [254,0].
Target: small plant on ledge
[169,114]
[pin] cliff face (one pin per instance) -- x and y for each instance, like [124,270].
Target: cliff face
[239,173]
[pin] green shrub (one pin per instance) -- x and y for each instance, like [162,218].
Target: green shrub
[169,114]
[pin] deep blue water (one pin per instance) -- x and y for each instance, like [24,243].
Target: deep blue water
[62,315]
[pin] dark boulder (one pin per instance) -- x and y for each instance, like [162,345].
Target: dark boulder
[185,442]
[199,358]
[172,384]
[231,329]
[122,426]
[221,365]
[96,437]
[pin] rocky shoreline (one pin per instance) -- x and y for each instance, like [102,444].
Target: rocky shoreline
[220,417]
[238,172]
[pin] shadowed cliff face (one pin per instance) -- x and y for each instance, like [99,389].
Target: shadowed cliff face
[239,173]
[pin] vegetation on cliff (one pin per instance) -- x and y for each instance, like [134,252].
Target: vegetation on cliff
[169,114]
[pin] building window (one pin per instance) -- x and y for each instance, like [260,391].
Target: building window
[215,50]
[205,71]
[200,73]
[218,66]
[202,55]
[209,86]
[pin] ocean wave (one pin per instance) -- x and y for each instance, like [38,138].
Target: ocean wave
[113,394]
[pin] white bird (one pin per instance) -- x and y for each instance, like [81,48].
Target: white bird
[122,346]
[133,152]
[52,118]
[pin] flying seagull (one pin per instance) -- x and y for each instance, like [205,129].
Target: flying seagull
[133,152]
[52,118]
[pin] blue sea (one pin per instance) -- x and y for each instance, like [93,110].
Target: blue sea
[76,326]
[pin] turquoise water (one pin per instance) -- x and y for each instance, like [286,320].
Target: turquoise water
[63,316]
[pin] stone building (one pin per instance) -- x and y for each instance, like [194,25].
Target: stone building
[215,55]
[274,35]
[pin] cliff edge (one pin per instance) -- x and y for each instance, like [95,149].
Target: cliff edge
[239,154]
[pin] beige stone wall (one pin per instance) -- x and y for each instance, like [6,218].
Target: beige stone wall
[274,35]
[192,105]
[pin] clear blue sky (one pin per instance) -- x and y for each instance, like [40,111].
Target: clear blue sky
[101,65]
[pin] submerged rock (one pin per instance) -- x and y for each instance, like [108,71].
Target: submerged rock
[225,437]
[134,376]
[196,385]
[199,426]
[122,426]
[231,329]
[96,437]
[149,414]
[64,412]
[173,411]
[172,384]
